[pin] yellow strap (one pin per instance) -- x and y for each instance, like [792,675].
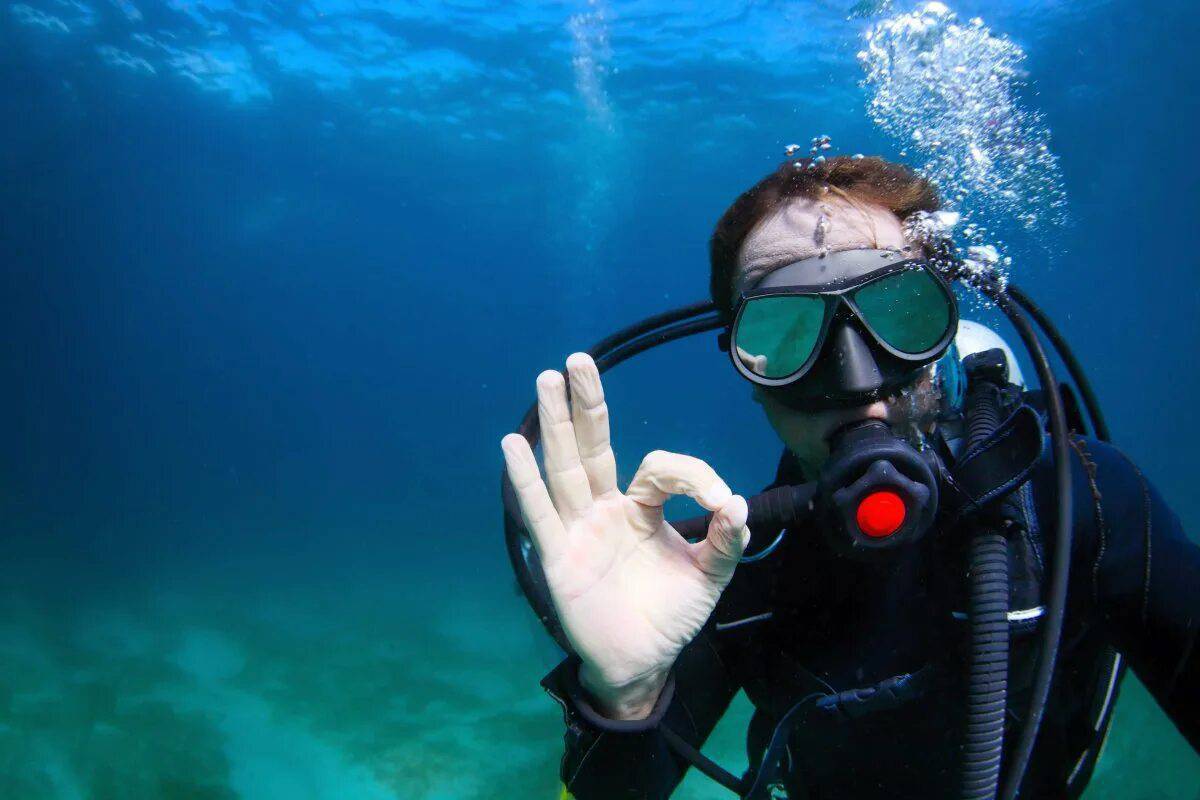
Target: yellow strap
[565,795]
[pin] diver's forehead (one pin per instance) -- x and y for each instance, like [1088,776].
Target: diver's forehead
[801,227]
[831,268]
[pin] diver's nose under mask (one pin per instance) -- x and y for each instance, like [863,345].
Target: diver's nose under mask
[843,329]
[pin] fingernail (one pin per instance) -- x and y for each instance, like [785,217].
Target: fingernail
[549,379]
[511,444]
[738,513]
[577,361]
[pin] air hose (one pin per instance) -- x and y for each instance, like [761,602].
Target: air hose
[987,609]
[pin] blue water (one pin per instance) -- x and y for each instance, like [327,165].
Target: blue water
[277,276]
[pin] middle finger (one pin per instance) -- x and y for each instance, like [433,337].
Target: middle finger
[590,415]
[564,471]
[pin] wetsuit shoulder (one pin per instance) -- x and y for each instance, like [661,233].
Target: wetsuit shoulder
[1138,572]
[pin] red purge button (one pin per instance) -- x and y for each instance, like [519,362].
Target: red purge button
[880,514]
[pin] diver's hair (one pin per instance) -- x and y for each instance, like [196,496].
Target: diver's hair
[868,180]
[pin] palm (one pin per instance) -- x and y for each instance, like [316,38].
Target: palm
[629,590]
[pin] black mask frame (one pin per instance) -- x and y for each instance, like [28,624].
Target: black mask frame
[838,297]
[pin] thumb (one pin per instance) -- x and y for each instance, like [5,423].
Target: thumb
[727,538]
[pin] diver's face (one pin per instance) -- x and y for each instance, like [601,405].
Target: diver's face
[801,229]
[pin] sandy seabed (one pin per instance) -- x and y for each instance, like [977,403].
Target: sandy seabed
[356,693]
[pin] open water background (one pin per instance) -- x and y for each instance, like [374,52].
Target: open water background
[275,278]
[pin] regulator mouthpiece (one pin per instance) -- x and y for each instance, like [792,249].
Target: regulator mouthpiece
[877,491]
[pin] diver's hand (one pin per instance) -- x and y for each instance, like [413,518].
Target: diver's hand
[629,590]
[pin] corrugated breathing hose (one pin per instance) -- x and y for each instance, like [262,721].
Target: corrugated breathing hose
[987,686]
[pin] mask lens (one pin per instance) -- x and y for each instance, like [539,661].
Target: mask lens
[909,310]
[776,335]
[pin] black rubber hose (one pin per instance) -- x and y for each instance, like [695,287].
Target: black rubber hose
[652,323]
[987,610]
[987,686]
[703,763]
[1074,368]
[609,358]
[1060,567]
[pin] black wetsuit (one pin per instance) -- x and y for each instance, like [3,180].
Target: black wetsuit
[804,622]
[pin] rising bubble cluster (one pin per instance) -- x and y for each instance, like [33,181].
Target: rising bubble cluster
[590,61]
[817,147]
[950,92]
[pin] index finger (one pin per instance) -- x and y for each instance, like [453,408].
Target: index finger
[664,474]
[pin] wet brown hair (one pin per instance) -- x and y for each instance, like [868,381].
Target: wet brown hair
[871,180]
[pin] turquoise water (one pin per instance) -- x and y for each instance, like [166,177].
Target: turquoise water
[278,276]
[311,693]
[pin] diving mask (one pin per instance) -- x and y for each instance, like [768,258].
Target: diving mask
[842,329]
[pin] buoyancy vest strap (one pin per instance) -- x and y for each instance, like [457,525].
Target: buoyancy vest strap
[998,464]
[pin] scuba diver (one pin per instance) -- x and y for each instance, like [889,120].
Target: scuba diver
[938,595]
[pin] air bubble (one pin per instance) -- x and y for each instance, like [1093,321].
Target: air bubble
[952,94]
